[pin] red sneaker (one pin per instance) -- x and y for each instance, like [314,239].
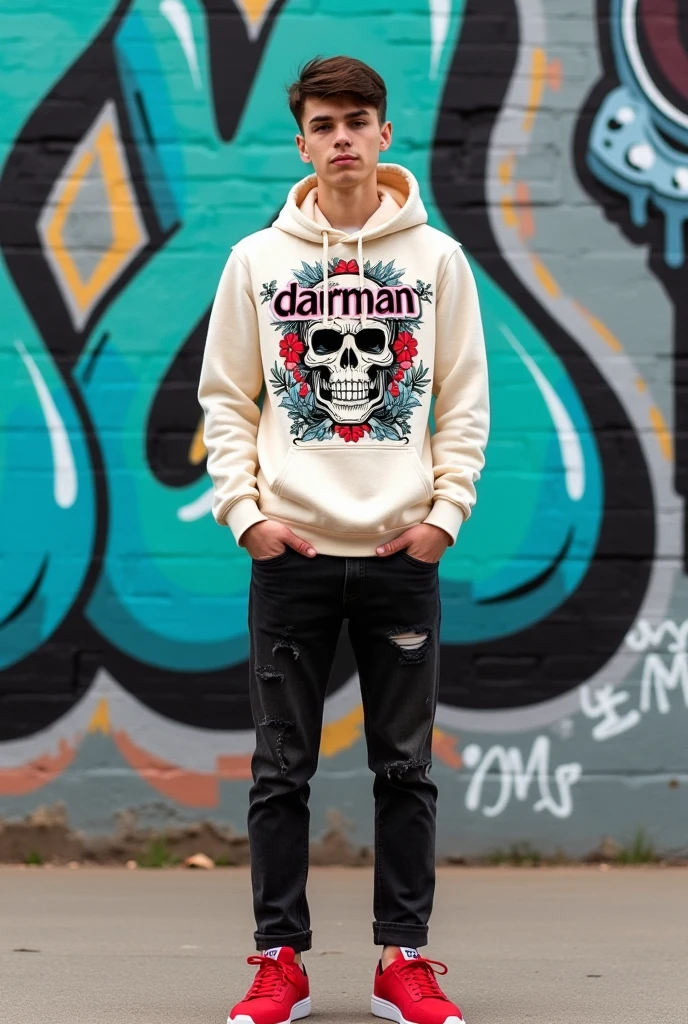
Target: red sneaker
[407,992]
[279,993]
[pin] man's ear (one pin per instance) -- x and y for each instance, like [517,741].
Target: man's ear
[303,151]
[386,135]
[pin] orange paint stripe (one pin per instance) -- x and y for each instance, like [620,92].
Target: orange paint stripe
[197,451]
[506,169]
[343,733]
[526,221]
[607,336]
[38,773]
[555,74]
[538,70]
[545,278]
[234,766]
[663,433]
[195,789]
[659,424]
[508,212]
[445,747]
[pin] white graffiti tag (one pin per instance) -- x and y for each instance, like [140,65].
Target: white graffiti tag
[662,673]
[658,677]
[644,635]
[603,703]
[515,778]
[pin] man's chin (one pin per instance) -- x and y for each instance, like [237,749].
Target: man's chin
[345,174]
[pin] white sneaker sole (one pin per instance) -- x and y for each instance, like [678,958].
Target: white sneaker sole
[383,1008]
[298,1010]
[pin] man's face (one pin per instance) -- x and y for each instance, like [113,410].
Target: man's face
[342,139]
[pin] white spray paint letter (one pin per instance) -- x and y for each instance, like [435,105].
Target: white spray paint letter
[602,703]
[515,779]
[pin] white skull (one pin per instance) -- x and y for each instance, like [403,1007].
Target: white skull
[347,360]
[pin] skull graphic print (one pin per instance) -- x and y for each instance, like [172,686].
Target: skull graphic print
[347,360]
[348,364]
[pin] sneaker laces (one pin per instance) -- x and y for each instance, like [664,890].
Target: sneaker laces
[272,974]
[419,976]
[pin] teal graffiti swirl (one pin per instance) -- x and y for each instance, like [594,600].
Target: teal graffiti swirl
[172,590]
[47,499]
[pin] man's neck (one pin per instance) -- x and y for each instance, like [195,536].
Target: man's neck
[349,207]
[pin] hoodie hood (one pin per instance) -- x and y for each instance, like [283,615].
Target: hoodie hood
[387,209]
[400,207]
[297,214]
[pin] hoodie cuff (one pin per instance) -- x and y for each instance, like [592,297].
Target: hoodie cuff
[447,516]
[241,515]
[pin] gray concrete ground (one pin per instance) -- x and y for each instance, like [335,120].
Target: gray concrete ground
[569,945]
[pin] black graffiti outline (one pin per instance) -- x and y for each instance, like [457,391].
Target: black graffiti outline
[480,676]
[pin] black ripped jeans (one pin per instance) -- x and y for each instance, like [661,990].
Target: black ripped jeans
[296,610]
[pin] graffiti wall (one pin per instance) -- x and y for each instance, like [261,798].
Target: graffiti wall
[140,139]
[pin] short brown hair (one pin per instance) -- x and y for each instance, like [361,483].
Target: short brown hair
[322,77]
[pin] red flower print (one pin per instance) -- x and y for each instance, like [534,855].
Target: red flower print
[354,433]
[346,268]
[303,390]
[394,389]
[406,347]
[290,350]
[298,376]
[399,375]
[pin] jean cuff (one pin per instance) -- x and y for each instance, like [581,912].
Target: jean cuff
[387,933]
[298,941]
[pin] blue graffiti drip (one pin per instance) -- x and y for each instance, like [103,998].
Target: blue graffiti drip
[627,154]
[630,148]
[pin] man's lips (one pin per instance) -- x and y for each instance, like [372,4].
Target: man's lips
[344,159]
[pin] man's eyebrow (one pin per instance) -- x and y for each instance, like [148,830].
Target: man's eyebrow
[329,117]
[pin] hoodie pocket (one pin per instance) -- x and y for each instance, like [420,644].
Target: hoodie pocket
[344,490]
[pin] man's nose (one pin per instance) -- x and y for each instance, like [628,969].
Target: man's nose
[342,138]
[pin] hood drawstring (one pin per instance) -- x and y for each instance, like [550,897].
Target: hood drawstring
[361,281]
[326,279]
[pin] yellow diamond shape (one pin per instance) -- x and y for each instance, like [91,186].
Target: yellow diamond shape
[102,143]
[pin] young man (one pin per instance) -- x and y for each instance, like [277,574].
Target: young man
[352,313]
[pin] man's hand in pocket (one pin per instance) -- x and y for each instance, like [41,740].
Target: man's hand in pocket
[268,539]
[425,542]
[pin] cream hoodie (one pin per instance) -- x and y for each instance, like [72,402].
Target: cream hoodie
[341,450]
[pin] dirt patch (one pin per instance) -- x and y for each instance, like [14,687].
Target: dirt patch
[45,837]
